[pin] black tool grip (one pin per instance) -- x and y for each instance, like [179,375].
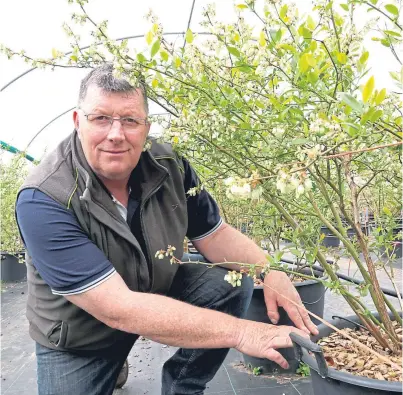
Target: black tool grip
[300,342]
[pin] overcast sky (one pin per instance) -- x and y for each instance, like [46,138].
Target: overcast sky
[35,26]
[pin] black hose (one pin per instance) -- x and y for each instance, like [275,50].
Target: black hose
[386,291]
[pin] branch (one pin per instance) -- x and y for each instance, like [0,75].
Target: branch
[363,150]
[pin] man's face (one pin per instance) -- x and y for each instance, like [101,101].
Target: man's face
[112,152]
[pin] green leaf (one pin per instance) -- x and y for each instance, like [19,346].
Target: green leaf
[380,97]
[366,116]
[387,211]
[155,48]
[141,58]
[278,35]
[368,89]
[313,77]
[189,36]
[303,63]
[164,55]
[154,83]
[364,57]
[74,58]
[306,61]
[177,61]
[373,1]
[351,102]
[385,42]
[304,32]
[283,11]
[342,57]
[392,9]
[54,53]
[149,37]
[344,6]
[288,47]
[310,23]
[234,51]
[262,39]
[392,33]
[241,6]
[376,115]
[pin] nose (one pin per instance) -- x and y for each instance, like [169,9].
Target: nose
[116,133]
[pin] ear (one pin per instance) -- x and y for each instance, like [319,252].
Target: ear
[76,121]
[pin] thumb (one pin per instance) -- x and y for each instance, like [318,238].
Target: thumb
[272,310]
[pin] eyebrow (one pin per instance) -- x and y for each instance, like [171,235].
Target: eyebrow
[103,111]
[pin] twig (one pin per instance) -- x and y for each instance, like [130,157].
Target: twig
[363,150]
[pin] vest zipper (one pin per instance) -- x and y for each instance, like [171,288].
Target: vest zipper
[147,245]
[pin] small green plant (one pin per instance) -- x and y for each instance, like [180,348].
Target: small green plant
[256,371]
[303,370]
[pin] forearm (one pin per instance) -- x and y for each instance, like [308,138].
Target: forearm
[168,321]
[229,245]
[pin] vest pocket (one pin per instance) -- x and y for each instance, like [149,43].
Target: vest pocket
[57,334]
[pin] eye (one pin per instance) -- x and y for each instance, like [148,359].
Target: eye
[100,118]
[131,121]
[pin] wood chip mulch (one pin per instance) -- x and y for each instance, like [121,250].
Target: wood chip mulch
[341,354]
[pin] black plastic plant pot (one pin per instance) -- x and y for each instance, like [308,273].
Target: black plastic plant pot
[326,231]
[329,381]
[312,294]
[11,269]
[331,241]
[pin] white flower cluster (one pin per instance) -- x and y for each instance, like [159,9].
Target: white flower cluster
[234,278]
[244,188]
[321,127]
[298,181]
[292,13]
[194,191]
[310,153]
[160,254]
[278,131]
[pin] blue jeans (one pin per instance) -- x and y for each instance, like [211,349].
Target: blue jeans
[186,372]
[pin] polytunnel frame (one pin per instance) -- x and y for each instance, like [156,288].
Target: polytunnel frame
[12,149]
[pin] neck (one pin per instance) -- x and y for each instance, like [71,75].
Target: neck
[118,188]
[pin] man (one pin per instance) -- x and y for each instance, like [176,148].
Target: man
[92,215]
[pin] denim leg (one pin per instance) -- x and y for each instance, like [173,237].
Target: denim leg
[189,370]
[65,373]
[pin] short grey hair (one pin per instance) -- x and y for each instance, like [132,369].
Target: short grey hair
[102,76]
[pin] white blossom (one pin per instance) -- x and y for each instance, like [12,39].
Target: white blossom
[234,278]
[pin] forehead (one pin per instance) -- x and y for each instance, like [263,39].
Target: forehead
[97,98]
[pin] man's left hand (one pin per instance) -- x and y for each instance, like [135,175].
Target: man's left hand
[281,283]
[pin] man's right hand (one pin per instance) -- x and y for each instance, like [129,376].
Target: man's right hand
[261,340]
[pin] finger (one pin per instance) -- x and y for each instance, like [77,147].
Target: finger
[299,332]
[308,322]
[276,357]
[272,310]
[281,342]
[295,316]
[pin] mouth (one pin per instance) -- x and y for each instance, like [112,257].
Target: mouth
[115,152]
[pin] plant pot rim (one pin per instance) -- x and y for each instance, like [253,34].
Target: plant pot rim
[361,381]
[321,276]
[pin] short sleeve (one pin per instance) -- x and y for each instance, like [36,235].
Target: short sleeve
[66,259]
[203,212]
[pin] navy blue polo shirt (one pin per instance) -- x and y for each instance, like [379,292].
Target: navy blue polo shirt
[67,260]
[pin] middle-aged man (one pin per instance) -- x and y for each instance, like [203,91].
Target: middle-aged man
[92,215]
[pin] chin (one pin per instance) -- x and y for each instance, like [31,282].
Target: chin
[115,174]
